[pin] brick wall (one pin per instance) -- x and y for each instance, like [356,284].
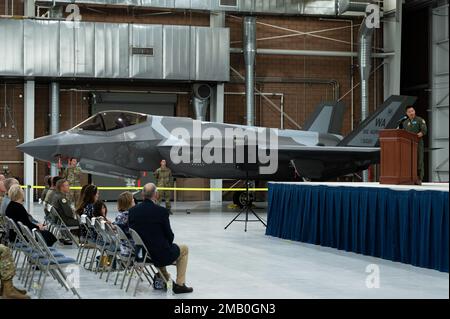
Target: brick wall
[11,7]
[300,98]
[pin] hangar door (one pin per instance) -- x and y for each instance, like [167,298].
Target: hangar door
[154,104]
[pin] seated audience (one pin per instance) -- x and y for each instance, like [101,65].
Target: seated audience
[124,203]
[17,212]
[151,222]
[7,183]
[80,198]
[50,193]
[100,211]
[88,198]
[63,206]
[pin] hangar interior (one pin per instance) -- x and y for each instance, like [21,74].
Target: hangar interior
[62,61]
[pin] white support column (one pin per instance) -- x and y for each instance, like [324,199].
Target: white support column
[217,115]
[28,132]
[392,29]
[217,108]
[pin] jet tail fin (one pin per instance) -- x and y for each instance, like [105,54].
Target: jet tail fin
[327,118]
[386,116]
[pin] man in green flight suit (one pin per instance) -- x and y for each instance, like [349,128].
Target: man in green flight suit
[73,175]
[416,125]
[164,178]
[63,207]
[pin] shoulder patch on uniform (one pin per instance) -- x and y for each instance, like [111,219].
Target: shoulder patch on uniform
[64,200]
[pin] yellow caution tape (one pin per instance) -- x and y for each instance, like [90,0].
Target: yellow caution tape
[180,189]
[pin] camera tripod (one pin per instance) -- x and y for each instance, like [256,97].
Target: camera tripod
[247,209]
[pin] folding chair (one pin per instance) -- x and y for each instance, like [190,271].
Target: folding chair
[19,244]
[87,240]
[36,252]
[105,243]
[53,265]
[61,227]
[142,260]
[125,260]
[90,242]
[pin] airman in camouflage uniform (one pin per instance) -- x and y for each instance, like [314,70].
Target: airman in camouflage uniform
[164,178]
[7,273]
[73,175]
[417,125]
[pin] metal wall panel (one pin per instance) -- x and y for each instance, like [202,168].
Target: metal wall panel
[66,49]
[439,96]
[275,6]
[125,2]
[319,7]
[302,7]
[11,52]
[114,51]
[176,59]
[111,50]
[201,4]
[247,5]
[182,4]
[210,51]
[294,6]
[41,40]
[146,66]
[84,49]
[158,3]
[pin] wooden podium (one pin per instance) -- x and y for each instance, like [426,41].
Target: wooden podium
[398,157]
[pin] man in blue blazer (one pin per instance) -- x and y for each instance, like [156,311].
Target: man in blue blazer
[152,223]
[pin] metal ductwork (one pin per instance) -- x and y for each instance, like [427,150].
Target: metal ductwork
[354,6]
[272,7]
[53,48]
[249,35]
[200,100]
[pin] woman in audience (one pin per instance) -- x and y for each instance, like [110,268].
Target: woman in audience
[100,211]
[124,203]
[88,198]
[80,198]
[17,212]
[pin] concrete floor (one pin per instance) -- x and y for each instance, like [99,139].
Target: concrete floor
[234,264]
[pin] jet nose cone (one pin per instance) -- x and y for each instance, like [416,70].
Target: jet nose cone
[42,148]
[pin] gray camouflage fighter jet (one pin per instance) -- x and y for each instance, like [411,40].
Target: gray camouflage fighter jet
[125,144]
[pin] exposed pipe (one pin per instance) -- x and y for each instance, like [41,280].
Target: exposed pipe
[249,37]
[125,91]
[365,66]
[343,54]
[54,116]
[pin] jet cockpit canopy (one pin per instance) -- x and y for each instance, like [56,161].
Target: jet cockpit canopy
[111,120]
